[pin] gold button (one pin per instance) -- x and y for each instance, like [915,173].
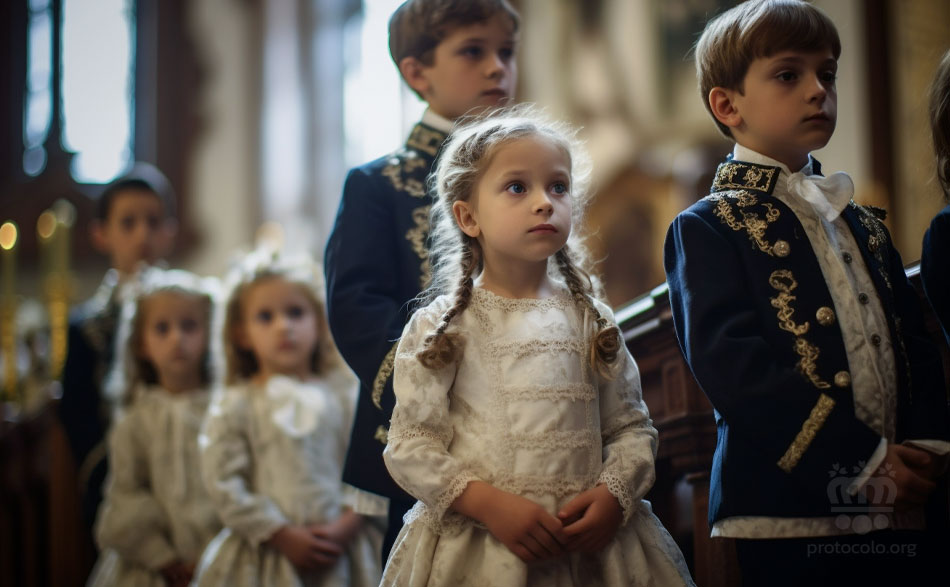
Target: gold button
[847,257]
[781,248]
[863,298]
[825,316]
[842,379]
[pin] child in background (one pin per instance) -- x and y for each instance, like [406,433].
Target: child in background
[275,439]
[935,255]
[135,227]
[793,310]
[157,516]
[519,423]
[458,56]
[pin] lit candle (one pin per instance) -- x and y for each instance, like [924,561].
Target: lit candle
[8,239]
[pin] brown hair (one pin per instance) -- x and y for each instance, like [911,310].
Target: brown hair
[259,266]
[418,26]
[940,122]
[131,367]
[457,258]
[754,29]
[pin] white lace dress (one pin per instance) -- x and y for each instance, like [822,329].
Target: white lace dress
[156,509]
[522,411]
[272,455]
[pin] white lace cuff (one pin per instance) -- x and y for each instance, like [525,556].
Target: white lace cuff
[618,488]
[456,487]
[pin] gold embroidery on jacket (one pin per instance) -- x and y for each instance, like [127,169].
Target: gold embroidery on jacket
[425,139]
[754,225]
[417,239]
[400,169]
[755,177]
[807,434]
[784,282]
[382,376]
[877,241]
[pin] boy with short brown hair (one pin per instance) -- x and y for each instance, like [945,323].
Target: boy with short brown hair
[458,56]
[793,310]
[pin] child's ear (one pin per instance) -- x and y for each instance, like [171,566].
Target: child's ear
[723,106]
[465,219]
[414,72]
[99,236]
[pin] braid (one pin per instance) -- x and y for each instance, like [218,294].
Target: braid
[605,343]
[442,348]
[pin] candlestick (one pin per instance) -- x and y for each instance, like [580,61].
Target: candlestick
[8,240]
[58,283]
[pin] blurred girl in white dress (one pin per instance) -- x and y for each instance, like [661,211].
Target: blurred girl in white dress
[275,439]
[157,516]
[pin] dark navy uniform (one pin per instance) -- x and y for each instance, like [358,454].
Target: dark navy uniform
[935,268]
[376,264]
[756,323]
[83,411]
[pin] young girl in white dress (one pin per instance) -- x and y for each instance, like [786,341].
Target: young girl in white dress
[157,516]
[519,423]
[275,439]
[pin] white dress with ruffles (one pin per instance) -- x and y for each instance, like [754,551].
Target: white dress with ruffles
[523,411]
[156,509]
[272,455]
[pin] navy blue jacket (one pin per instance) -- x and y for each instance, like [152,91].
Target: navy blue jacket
[376,264]
[757,325]
[82,410]
[935,268]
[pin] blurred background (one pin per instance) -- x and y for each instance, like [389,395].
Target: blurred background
[255,109]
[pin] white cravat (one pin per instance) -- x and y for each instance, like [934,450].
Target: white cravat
[829,196]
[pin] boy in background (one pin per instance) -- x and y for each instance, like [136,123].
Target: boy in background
[134,226]
[459,57]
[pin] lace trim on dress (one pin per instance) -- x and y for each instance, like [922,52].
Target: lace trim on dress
[617,488]
[543,485]
[551,440]
[522,349]
[571,391]
[493,301]
[400,431]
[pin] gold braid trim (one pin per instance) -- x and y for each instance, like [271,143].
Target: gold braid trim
[751,223]
[807,434]
[385,370]
[877,239]
[783,281]
[417,240]
[752,178]
[807,363]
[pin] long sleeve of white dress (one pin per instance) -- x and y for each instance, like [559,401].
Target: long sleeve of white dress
[627,433]
[421,429]
[226,463]
[132,520]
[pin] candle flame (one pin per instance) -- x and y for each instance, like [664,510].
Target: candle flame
[46,224]
[8,234]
